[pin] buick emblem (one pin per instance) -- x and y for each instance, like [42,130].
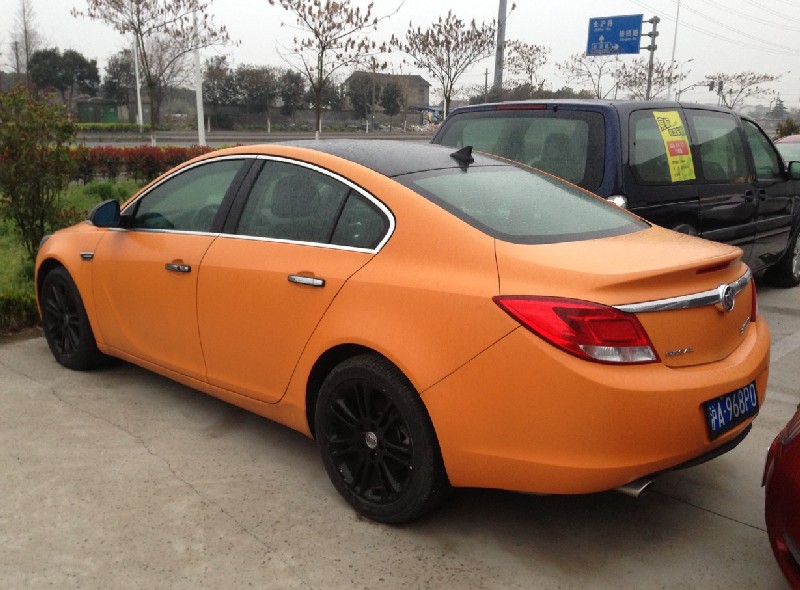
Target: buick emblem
[726,298]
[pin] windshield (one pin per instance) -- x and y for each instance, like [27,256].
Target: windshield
[520,205]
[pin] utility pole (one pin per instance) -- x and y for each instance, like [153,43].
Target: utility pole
[486,86]
[499,58]
[198,85]
[674,43]
[139,115]
[16,58]
[652,49]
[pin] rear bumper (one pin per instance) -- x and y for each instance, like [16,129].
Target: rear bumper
[524,416]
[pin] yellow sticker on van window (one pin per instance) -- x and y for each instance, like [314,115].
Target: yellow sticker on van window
[676,144]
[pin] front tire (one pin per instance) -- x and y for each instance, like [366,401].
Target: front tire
[66,326]
[377,441]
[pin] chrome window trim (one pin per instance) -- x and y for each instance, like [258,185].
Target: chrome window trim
[710,297]
[372,199]
[147,191]
[298,243]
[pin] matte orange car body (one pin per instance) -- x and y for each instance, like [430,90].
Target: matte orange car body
[506,412]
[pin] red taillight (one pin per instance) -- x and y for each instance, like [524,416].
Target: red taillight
[754,302]
[587,330]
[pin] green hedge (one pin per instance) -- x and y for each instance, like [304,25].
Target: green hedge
[116,128]
[17,310]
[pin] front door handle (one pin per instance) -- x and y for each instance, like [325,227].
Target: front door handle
[177,267]
[749,197]
[306,280]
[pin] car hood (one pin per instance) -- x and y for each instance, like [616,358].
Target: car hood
[644,266]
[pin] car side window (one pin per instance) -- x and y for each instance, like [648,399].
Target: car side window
[187,201]
[719,147]
[765,157]
[290,202]
[648,154]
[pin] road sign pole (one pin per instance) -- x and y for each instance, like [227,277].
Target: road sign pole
[652,49]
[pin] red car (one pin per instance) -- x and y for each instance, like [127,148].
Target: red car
[782,483]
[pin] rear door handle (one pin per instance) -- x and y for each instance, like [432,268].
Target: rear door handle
[762,195]
[749,197]
[306,280]
[176,267]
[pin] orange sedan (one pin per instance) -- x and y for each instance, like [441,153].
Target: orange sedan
[433,318]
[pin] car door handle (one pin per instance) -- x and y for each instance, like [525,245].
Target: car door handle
[176,267]
[306,280]
[749,197]
[762,195]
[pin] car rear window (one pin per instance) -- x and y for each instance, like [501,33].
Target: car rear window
[519,205]
[568,144]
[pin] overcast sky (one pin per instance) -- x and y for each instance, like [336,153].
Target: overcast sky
[717,35]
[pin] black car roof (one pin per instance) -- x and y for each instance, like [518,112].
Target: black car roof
[394,157]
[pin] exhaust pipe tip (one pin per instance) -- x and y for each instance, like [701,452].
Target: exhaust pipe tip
[637,487]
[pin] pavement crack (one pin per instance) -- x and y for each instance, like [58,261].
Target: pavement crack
[709,511]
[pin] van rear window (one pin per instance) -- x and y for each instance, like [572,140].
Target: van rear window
[567,144]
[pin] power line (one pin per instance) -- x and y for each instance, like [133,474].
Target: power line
[765,8]
[749,17]
[771,47]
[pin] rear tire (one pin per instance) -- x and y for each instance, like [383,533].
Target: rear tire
[66,326]
[377,441]
[787,272]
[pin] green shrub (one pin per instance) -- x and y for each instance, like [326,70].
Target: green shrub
[35,164]
[17,310]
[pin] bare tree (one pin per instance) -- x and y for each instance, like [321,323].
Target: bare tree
[164,33]
[525,60]
[448,49]
[734,89]
[631,77]
[331,36]
[25,38]
[592,71]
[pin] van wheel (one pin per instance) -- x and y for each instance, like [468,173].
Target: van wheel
[377,441]
[66,326]
[787,272]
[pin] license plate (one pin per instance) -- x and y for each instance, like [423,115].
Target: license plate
[726,411]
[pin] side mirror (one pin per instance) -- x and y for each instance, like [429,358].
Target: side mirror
[106,214]
[794,170]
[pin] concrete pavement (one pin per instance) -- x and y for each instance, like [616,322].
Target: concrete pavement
[122,479]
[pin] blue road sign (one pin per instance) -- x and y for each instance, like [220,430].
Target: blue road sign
[610,35]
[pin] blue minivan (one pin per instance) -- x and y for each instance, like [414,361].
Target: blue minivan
[698,169]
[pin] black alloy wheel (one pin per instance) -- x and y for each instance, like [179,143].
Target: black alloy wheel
[66,326]
[377,441]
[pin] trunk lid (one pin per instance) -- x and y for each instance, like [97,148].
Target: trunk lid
[652,265]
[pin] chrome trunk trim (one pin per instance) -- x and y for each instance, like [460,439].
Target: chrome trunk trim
[710,297]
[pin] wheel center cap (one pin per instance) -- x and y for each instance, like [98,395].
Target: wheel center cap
[371,439]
